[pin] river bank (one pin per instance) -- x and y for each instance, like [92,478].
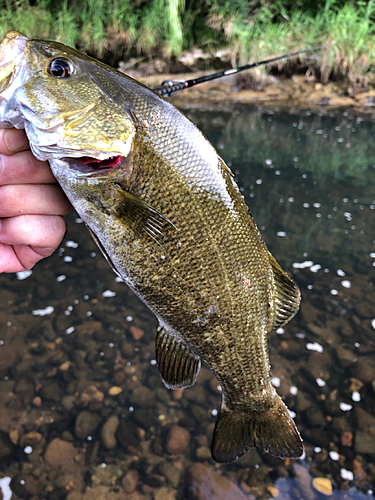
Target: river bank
[294,91]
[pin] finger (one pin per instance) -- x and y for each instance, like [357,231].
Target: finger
[14,259]
[13,140]
[41,199]
[38,231]
[24,168]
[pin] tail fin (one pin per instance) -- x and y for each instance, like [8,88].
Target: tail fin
[272,432]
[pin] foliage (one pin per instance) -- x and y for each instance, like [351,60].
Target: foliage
[253,29]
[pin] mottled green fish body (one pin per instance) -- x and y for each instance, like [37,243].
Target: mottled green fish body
[166,213]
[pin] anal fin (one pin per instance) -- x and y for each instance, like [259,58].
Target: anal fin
[178,365]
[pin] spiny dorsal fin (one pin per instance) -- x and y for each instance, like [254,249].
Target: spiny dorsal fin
[142,218]
[272,431]
[287,296]
[178,365]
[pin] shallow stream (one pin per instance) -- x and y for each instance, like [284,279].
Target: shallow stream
[83,411]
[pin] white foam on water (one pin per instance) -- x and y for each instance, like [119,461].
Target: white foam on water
[22,275]
[71,244]
[43,312]
[356,396]
[302,265]
[345,407]
[334,455]
[5,489]
[315,268]
[276,381]
[347,474]
[314,346]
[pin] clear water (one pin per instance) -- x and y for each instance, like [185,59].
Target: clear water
[309,180]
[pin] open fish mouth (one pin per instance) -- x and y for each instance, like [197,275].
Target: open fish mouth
[87,165]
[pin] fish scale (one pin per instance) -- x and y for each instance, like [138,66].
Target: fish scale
[165,211]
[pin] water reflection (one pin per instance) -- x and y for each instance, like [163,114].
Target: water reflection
[82,403]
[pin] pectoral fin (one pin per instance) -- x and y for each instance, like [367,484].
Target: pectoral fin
[178,365]
[287,296]
[142,218]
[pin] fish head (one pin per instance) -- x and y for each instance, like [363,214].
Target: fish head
[63,100]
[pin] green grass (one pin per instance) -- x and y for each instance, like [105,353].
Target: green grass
[253,29]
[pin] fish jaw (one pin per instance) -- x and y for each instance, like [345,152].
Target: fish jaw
[62,117]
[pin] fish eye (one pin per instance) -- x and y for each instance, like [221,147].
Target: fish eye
[60,68]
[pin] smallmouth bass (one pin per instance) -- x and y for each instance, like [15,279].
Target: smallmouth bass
[165,211]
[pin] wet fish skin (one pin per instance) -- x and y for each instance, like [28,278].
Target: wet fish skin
[172,223]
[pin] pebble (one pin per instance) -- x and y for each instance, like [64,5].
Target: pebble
[206,484]
[143,397]
[323,485]
[130,481]
[203,453]
[60,454]
[91,394]
[136,333]
[115,391]
[177,440]
[86,423]
[6,447]
[108,432]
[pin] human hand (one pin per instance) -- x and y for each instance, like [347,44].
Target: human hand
[32,205]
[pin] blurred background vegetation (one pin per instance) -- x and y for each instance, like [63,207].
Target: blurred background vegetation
[249,30]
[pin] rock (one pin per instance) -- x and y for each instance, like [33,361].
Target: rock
[108,432]
[60,454]
[50,392]
[203,452]
[177,440]
[106,476]
[86,423]
[136,333]
[315,417]
[130,481]
[115,391]
[99,493]
[91,394]
[6,447]
[142,397]
[127,434]
[303,482]
[165,493]
[364,442]
[323,485]
[346,438]
[172,473]
[364,369]
[206,484]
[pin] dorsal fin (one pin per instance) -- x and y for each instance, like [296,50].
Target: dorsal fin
[287,296]
[178,365]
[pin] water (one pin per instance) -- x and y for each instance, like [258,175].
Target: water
[77,351]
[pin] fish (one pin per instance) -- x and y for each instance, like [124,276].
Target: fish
[165,211]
